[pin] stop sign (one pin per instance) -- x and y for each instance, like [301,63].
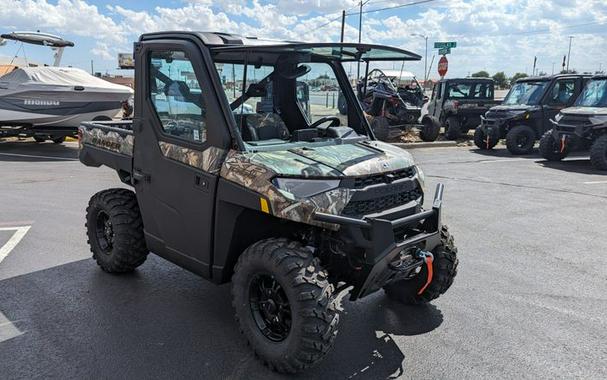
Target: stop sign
[443,66]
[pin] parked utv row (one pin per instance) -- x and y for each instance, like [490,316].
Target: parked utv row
[565,112]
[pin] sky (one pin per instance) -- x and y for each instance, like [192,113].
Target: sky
[491,35]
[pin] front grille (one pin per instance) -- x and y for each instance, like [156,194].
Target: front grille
[388,177]
[371,206]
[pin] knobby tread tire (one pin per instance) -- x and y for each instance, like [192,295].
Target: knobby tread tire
[598,153]
[429,131]
[453,128]
[315,312]
[480,140]
[512,143]
[549,148]
[129,249]
[444,269]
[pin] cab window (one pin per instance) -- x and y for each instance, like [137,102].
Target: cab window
[176,95]
[562,92]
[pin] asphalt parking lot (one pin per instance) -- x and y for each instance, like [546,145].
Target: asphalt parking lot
[530,299]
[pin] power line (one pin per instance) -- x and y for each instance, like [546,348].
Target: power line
[374,10]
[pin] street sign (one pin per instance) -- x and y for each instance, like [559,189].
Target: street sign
[442,45]
[444,51]
[443,66]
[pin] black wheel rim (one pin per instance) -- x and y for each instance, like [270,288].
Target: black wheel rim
[522,141]
[104,232]
[270,307]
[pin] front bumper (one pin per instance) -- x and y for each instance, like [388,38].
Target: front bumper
[494,127]
[566,131]
[381,240]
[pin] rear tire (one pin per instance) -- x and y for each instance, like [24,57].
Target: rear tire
[293,326]
[444,268]
[520,140]
[115,230]
[549,148]
[381,128]
[598,153]
[480,139]
[39,139]
[429,131]
[453,128]
[58,140]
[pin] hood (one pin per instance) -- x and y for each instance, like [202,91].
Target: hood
[370,157]
[515,108]
[585,111]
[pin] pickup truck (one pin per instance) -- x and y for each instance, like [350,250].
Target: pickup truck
[457,105]
[238,180]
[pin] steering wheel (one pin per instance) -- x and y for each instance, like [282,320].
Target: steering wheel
[333,119]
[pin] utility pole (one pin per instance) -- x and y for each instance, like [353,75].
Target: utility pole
[360,28]
[552,68]
[343,24]
[426,74]
[569,54]
[92,68]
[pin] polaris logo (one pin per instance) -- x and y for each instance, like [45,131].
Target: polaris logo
[40,102]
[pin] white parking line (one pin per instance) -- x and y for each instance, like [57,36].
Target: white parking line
[594,182]
[35,156]
[503,160]
[13,241]
[7,329]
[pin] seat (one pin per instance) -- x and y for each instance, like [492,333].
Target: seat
[264,126]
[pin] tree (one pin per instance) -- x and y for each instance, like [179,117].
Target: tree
[517,76]
[481,74]
[500,79]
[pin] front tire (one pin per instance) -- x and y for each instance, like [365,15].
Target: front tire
[453,128]
[444,268]
[115,230]
[58,140]
[598,153]
[430,130]
[482,140]
[284,304]
[549,148]
[39,139]
[520,140]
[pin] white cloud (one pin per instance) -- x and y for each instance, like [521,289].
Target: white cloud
[496,35]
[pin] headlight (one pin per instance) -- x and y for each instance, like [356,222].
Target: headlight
[558,117]
[421,176]
[598,119]
[304,188]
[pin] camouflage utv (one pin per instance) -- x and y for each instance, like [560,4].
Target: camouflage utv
[238,175]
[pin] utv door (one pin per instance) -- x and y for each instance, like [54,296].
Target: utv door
[561,95]
[177,127]
[434,106]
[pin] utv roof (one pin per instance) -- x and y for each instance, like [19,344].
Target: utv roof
[224,44]
[552,77]
[468,79]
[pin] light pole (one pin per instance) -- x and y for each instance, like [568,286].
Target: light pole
[360,30]
[426,57]
[569,53]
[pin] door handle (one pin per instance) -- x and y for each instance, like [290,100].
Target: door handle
[139,176]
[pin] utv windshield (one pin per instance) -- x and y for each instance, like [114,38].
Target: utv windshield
[525,93]
[594,94]
[287,96]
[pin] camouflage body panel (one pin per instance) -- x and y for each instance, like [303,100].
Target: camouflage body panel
[109,140]
[371,157]
[251,171]
[256,170]
[208,160]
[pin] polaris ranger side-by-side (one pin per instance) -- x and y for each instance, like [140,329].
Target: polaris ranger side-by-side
[236,179]
[525,113]
[581,126]
[457,105]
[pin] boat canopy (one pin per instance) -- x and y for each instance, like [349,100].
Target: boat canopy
[57,76]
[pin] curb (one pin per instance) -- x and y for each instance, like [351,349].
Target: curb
[434,144]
